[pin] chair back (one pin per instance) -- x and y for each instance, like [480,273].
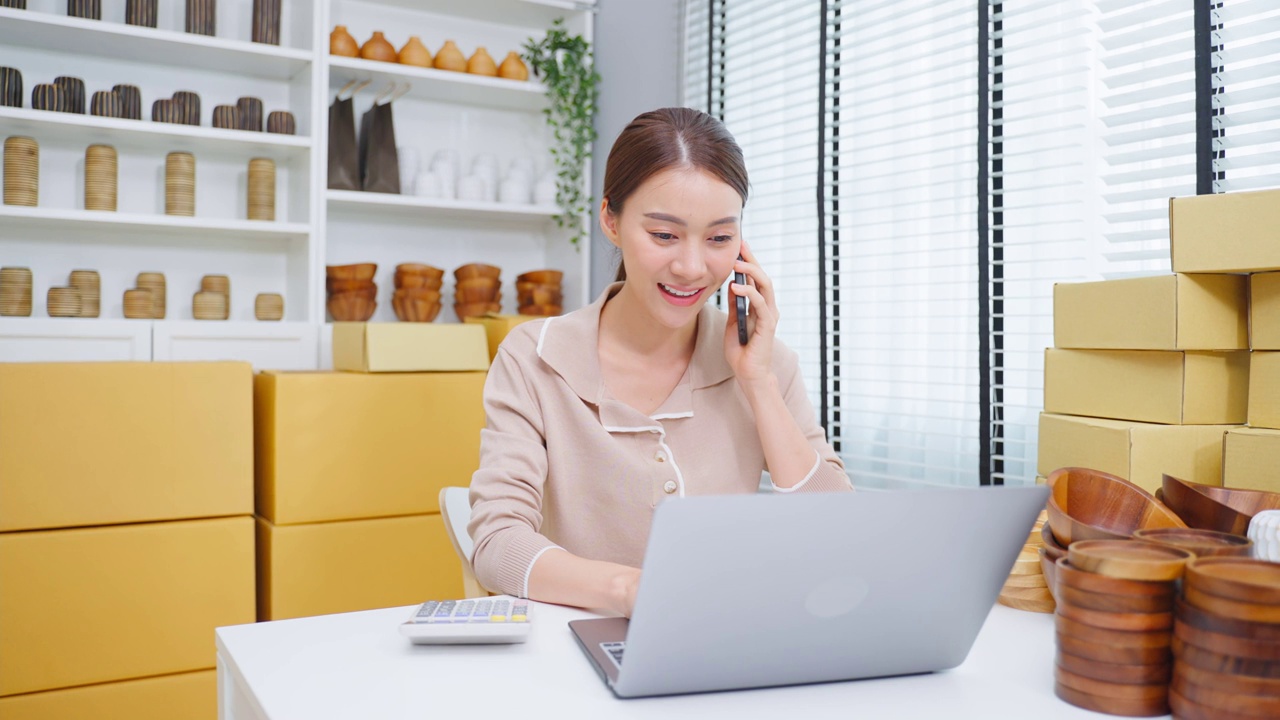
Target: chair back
[455,510]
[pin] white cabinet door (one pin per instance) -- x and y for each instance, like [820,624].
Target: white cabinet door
[74,340]
[267,345]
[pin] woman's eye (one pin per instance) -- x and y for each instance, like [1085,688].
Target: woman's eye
[663,236]
[722,239]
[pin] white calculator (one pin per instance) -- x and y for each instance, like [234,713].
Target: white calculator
[491,620]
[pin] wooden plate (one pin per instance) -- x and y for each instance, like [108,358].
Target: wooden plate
[1113,653]
[1129,621]
[1196,617]
[1116,638]
[1102,688]
[1027,599]
[1129,559]
[1056,549]
[1222,607]
[1026,581]
[1027,563]
[1184,709]
[1094,582]
[1258,706]
[1199,542]
[1111,706]
[1115,672]
[1111,602]
[1218,662]
[1241,579]
[1229,682]
[1226,644]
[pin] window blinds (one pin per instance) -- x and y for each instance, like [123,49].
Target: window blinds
[1247,95]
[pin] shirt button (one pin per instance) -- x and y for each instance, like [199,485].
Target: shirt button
[669,487]
[660,457]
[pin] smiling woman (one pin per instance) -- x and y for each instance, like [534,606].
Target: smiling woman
[596,417]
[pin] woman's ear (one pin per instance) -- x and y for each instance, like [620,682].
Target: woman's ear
[609,222]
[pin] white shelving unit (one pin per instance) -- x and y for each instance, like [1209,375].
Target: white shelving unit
[314,226]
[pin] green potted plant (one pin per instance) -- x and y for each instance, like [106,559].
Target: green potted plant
[565,65]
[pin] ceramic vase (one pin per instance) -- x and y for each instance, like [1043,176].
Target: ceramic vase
[513,68]
[415,53]
[341,42]
[450,58]
[378,48]
[481,64]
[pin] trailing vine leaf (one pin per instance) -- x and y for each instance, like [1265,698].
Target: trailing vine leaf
[566,66]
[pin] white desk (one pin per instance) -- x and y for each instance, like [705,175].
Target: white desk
[356,665]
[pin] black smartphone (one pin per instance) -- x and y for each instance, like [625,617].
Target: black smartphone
[741,279]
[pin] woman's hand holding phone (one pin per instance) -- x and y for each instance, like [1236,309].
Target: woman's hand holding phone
[748,337]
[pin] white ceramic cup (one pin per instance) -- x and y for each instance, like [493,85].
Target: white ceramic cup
[513,191]
[1264,531]
[427,184]
[486,162]
[448,178]
[471,189]
[544,193]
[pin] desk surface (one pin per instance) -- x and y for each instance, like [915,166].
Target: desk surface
[357,665]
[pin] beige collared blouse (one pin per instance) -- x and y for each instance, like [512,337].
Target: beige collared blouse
[563,464]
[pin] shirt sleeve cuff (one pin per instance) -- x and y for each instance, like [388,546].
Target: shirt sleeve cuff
[822,477]
[515,556]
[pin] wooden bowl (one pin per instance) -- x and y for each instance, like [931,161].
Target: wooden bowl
[418,281]
[1110,620]
[540,296]
[1209,507]
[410,309]
[1090,505]
[333,285]
[1184,709]
[423,294]
[1208,621]
[1129,559]
[1223,701]
[477,270]
[355,306]
[1056,549]
[523,286]
[1109,688]
[1103,652]
[552,277]
[370,292]
[466,310]
[540,310]
[1049,569]
[1129,707]
[1111,602]
[1225,644]
[1114,638]
[357,271]
[1236,609]
[421,270]
[1093,582]
[1201,543]
[1235,578]
[477,294]
[1219,662]
[1114,672]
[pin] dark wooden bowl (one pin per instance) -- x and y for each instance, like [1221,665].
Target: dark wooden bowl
[1129,559]
[1090,505]
[1226,644]
[423,294]
[1056,549]
[1111,602]
[1198,541]
[1121,654]
[1227,510]
[357,271]
[420,269]
[1223,701]
[551,277]
[337,285]
[418,281]
[1220,662]
[540,310]
[1236,609]
[1211,622]
[1235,578]
[1115,672]
[1093,582]
[409,309]
[466,310]
[1112,620]
[1184,709]
[477,270]
[351,306]
[1114,638]
[1049,569]
[1110,705]
[1108,688]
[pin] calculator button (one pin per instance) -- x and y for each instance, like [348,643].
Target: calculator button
[519,618]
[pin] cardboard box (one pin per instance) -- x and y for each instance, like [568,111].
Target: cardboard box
[1264,311]
[343,446]
[1264,389]
[1166,312]
[1173,387]
[95,605]
[103,443]
[1229,232]
[496,328]
[408,347]
[1250,457]
[190,696]
[1137,452]
[336,567]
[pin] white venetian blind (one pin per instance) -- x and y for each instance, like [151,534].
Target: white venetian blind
[901,228]
[1247,95]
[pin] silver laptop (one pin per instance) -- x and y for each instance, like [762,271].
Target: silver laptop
[746,591]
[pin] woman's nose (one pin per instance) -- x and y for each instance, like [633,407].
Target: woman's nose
[691,263]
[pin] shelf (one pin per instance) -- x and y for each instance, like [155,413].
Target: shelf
[420,207]
[46,339]
[165,48]
[15,218]
[440,85]
[48,126]
[520,13]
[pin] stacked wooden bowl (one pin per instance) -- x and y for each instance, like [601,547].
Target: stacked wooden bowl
[1226,643]
[1114,625]
[137,304]
[89,285]
[101,172]
[352,293]
[15,292]
[1027,587]
[417,292]
[213,300]
[21,171]
[477,290]
[153,283]
[268,306]
[180,184]
[63,302]
[538,292]
[262,189]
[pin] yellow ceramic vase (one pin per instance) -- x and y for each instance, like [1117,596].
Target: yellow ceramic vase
[450,58]
[341,42]
[378,48]
[481,64]
[415,53]
[513,68]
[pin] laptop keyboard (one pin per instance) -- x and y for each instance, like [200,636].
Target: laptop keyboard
[614,651]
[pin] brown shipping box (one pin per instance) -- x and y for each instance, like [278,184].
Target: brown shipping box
[343,446]
[105,443]
[1172,387]
[1250,458]
[1138,452]
[408,347]
[1264,311]
[96,605]
[335,567]
[1264,389]
[497,327]
[1228,232]
[190,696]
[1165,312]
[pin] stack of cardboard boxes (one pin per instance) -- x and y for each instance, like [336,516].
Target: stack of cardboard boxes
[350,465]
[1154,375]
[126,535]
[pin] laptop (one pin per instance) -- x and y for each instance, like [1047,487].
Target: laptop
[748,591]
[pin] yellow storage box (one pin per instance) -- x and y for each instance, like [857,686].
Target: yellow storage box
[189,696]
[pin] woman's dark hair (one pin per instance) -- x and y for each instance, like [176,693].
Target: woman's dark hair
[665,139]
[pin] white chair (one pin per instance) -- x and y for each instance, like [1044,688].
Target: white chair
[455,510]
